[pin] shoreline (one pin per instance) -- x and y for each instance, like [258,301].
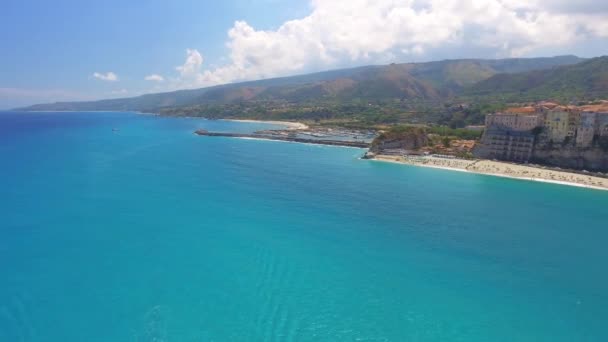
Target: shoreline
[481,167]
[289,124]
[501,169]
[81,111]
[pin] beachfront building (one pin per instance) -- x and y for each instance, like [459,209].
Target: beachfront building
[558,125]
[509,135]
[514,121]
[519,133]
[506,145]
[586,129]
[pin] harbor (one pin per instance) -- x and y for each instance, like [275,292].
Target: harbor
[291,138]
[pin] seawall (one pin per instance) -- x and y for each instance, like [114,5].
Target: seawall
[360,144]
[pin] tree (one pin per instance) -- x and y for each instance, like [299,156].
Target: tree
[446,141]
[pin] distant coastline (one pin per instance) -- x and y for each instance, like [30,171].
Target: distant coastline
[292,125]
[79,111]
[478,166]
[500,169]
[475,166]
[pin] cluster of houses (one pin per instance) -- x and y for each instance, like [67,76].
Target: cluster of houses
[513,134]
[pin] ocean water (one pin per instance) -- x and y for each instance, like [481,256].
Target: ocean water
[150,233]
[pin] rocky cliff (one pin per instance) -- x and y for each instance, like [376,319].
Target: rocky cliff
[404,138]
[591,159]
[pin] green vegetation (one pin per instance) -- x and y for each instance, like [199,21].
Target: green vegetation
[408,137]
[456,133]
[443,132]
[401,130]
[585,81]
[452,93]
[464,155]
[433,139]
[457,116]
[355,114]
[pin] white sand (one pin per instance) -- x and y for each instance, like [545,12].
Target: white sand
[501,169]
[288,124]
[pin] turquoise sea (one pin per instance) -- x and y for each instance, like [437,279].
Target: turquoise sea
[150,233]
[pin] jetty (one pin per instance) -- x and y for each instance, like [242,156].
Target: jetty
[347,143]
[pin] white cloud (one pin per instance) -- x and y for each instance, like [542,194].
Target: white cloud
[342,32]
[154,78]
[192,65]
[110,76]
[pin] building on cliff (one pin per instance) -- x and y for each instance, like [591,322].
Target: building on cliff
[561,123]
[574,137]
[507,145]
[586,129]
[509,135]
[514,121]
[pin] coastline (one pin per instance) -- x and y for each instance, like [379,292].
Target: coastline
[80,111]
[501,169]
[289,124]
[482,167]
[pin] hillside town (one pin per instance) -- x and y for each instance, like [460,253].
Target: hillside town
[548,133]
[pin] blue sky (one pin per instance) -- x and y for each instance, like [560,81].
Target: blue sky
[56,46]
[51,50]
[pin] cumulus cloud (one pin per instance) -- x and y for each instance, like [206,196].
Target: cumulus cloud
[192,65]
[110,76]
[342,32]
[154,78]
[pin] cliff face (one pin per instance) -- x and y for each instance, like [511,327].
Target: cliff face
[592,159]
[525,146]
[568,155]
[405,139]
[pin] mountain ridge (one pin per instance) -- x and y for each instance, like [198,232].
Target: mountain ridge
[587,80]
[427,81]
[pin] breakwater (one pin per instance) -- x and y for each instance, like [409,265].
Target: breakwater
[361,144]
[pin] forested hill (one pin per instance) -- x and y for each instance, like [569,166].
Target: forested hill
[431,82]
[587,80]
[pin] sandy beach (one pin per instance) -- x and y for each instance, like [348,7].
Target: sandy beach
[288,124]
[501,169]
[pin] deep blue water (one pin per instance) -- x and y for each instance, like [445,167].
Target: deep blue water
[150,233]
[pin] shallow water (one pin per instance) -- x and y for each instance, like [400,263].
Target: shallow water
[150,233]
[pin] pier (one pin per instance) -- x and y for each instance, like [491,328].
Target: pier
[360,144]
